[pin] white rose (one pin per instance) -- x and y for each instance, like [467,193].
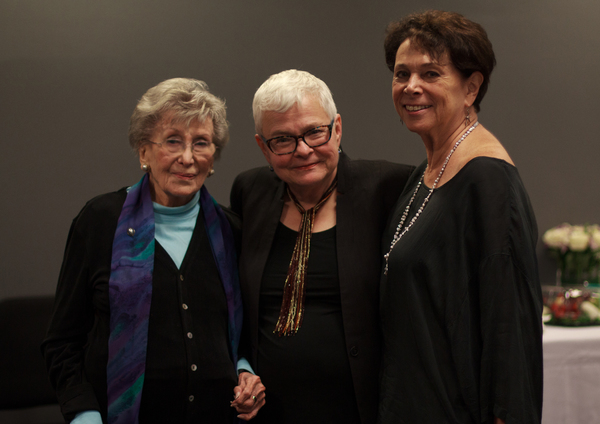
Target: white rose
[579,239]
[557,237]
[590,310]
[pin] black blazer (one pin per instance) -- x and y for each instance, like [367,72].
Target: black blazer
[367,192]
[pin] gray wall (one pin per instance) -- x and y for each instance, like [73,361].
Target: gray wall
[72,71]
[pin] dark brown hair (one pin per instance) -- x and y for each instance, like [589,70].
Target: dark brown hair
[435,33]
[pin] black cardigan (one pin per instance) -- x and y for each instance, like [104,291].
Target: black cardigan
[367,192]
[186,378]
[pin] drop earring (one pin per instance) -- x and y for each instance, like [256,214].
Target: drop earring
[467,117]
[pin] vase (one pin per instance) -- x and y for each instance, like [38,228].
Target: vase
[568,277]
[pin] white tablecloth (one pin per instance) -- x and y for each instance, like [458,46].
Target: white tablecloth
[571,375]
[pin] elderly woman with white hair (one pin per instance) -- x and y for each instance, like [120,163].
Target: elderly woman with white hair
[147,316]
[310,260]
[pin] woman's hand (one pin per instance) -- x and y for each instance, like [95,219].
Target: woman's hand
[249,395]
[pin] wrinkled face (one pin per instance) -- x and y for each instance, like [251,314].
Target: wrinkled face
[176,177]
[430,97]
[308,168]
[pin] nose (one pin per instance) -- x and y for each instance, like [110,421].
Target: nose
[302,149]
[187,156]
[413,86]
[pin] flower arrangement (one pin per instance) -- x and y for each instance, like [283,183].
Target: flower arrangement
[577,251]
[571,307]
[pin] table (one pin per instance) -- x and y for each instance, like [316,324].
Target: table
[571,375]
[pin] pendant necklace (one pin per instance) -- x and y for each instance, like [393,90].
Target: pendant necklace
[399,231]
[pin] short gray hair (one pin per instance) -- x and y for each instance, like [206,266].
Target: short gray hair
[185,100]
[284,90]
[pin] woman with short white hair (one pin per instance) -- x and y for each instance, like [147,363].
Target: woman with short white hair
[310,260]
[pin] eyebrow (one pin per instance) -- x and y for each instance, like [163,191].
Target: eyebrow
[171,132]
[281,133]
[422,66]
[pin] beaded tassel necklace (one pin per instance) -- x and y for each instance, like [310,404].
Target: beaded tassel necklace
[294,290]
[399,231]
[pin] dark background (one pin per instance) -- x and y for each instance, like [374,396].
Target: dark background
[72,71]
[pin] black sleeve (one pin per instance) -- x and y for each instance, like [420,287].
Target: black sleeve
[76,343]
[72,319]
[509,299]
[511,357]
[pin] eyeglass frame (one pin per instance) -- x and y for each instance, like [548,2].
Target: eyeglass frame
[191,144]
[299,137]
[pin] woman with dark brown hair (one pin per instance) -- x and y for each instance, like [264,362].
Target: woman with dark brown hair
[460,293]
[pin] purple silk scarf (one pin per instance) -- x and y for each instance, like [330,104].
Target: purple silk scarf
[130,294]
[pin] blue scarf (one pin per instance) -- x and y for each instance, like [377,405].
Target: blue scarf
[130,294]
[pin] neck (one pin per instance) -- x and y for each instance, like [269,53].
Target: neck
[308,197]
[438,148]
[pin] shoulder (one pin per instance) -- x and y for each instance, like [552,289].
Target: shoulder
[383,167]
[232,217]
[251,185]
[106,203]
[489,173]
[500,203]
[104,208]
[370,173]
[254,176]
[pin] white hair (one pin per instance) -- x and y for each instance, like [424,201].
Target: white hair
[288,88]
[184,100]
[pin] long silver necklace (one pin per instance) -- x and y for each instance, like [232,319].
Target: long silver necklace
[399,231]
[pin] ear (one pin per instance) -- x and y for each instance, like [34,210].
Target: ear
[473,83]
[337,125]
[263,147]
[143,153]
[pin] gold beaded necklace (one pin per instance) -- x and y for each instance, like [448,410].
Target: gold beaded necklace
[291,313]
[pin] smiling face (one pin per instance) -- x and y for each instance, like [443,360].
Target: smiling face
[176,177]
[309,169]
[430,96]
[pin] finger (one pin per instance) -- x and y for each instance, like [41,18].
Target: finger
[250,404]
[251,380]
[237,390]
[245,394]
[241,393]
[243,379]
[248,416]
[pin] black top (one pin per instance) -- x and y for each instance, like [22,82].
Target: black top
[461,305]
[366,194]
[307,375]
[189,371]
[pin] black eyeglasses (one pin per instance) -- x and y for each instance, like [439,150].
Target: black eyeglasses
[287,144]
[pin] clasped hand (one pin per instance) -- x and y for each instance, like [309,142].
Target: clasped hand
[249,396]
